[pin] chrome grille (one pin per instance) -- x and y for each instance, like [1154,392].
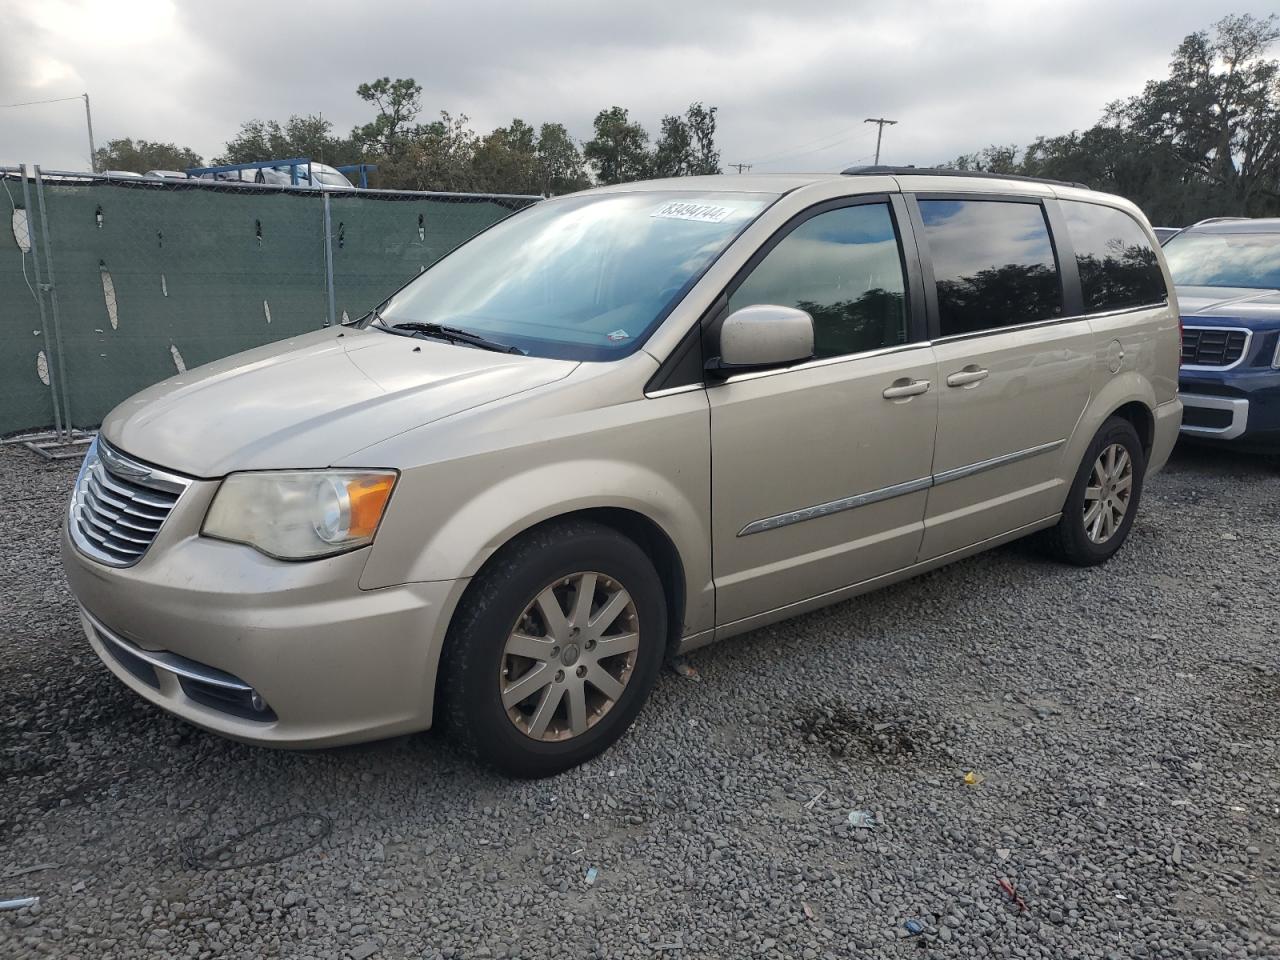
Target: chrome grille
[119,505]
[1213,346]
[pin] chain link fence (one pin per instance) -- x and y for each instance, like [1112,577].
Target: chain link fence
[108,285]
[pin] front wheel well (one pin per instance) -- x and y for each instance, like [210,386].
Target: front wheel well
[642,531]
[1143,421]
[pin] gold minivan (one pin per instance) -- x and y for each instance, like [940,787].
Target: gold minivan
[616,426]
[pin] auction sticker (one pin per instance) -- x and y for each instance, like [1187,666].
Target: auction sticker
[684,210]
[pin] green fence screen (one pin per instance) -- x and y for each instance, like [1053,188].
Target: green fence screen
[153,277]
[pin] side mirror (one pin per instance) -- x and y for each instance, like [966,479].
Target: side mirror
[760,336]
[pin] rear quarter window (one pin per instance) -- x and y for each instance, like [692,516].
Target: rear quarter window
[1118,266]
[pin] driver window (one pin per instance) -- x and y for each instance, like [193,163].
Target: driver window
[843,268]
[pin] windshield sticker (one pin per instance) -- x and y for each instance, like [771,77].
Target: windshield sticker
[699,212]
[618,335]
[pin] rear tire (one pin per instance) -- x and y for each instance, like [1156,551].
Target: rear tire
[1103,499]
[533,621]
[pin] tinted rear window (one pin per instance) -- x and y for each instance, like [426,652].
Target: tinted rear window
[993,264]
[1118,266]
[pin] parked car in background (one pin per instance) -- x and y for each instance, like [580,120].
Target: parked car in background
[168,174]
[1164,233]
[321,176]
[1227,273]
[616,425]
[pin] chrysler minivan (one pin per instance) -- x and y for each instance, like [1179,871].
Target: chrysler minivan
[616,426]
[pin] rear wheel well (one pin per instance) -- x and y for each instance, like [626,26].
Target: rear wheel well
[1143,422]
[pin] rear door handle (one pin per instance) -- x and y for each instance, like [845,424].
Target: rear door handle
[903,389]
[967,377]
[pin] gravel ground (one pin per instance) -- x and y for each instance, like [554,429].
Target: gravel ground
[1122,724]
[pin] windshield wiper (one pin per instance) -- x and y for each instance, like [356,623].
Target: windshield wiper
[442,332]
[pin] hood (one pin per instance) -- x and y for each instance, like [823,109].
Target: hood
[313,400]
[1248,306]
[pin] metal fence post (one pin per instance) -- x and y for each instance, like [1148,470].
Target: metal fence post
[50,350]
[330,317]
[53,302]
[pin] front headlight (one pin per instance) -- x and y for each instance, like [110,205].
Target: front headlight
[302,514]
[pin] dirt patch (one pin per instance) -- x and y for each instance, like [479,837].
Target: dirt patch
[847,731]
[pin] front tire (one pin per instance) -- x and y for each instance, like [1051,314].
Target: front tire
[554,650]
[1103,499]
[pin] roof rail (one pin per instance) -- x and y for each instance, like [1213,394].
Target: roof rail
[1199,223]
[949,172]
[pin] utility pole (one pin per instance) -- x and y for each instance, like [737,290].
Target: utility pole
[93,153]
[740,167]
[881,123]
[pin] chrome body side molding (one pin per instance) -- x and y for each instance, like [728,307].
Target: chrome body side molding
[968,470]
[895,490]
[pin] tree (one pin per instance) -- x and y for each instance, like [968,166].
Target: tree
[143,155]
[1219,111]
[672,154]
[686,146]
[701,122]
[560,164]
[1203,142]
[399,102]
[440,156]
[310,136]
[619,150]
[506,161]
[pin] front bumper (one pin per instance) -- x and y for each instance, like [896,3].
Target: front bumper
[1239,406]
[199,625]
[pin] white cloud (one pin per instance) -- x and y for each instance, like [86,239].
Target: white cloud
[793,82]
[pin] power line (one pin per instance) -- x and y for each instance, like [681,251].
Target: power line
[33,103]
[881,123]
[829,142]
[88,119]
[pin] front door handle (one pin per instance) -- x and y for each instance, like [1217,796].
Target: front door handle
[905,389]
[967,377]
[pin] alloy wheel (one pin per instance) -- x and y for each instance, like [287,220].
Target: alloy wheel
[570,656]
[1107,495]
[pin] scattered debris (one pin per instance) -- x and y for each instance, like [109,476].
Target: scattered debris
[808,910]
[973,778]
[915,927]
[863,819]
[685,669]
[37,868]
[1003,853]
[19,903]
[814,799]
[591,876]
[1012,894]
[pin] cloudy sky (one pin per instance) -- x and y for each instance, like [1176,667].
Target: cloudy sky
[794,79]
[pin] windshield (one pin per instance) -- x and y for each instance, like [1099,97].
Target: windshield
[580,278]
[1225,259]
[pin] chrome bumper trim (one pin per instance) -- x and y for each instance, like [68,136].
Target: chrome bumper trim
[171,662]
[1238,406]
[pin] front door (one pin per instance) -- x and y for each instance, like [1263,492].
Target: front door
[820,470]
[1014,374]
